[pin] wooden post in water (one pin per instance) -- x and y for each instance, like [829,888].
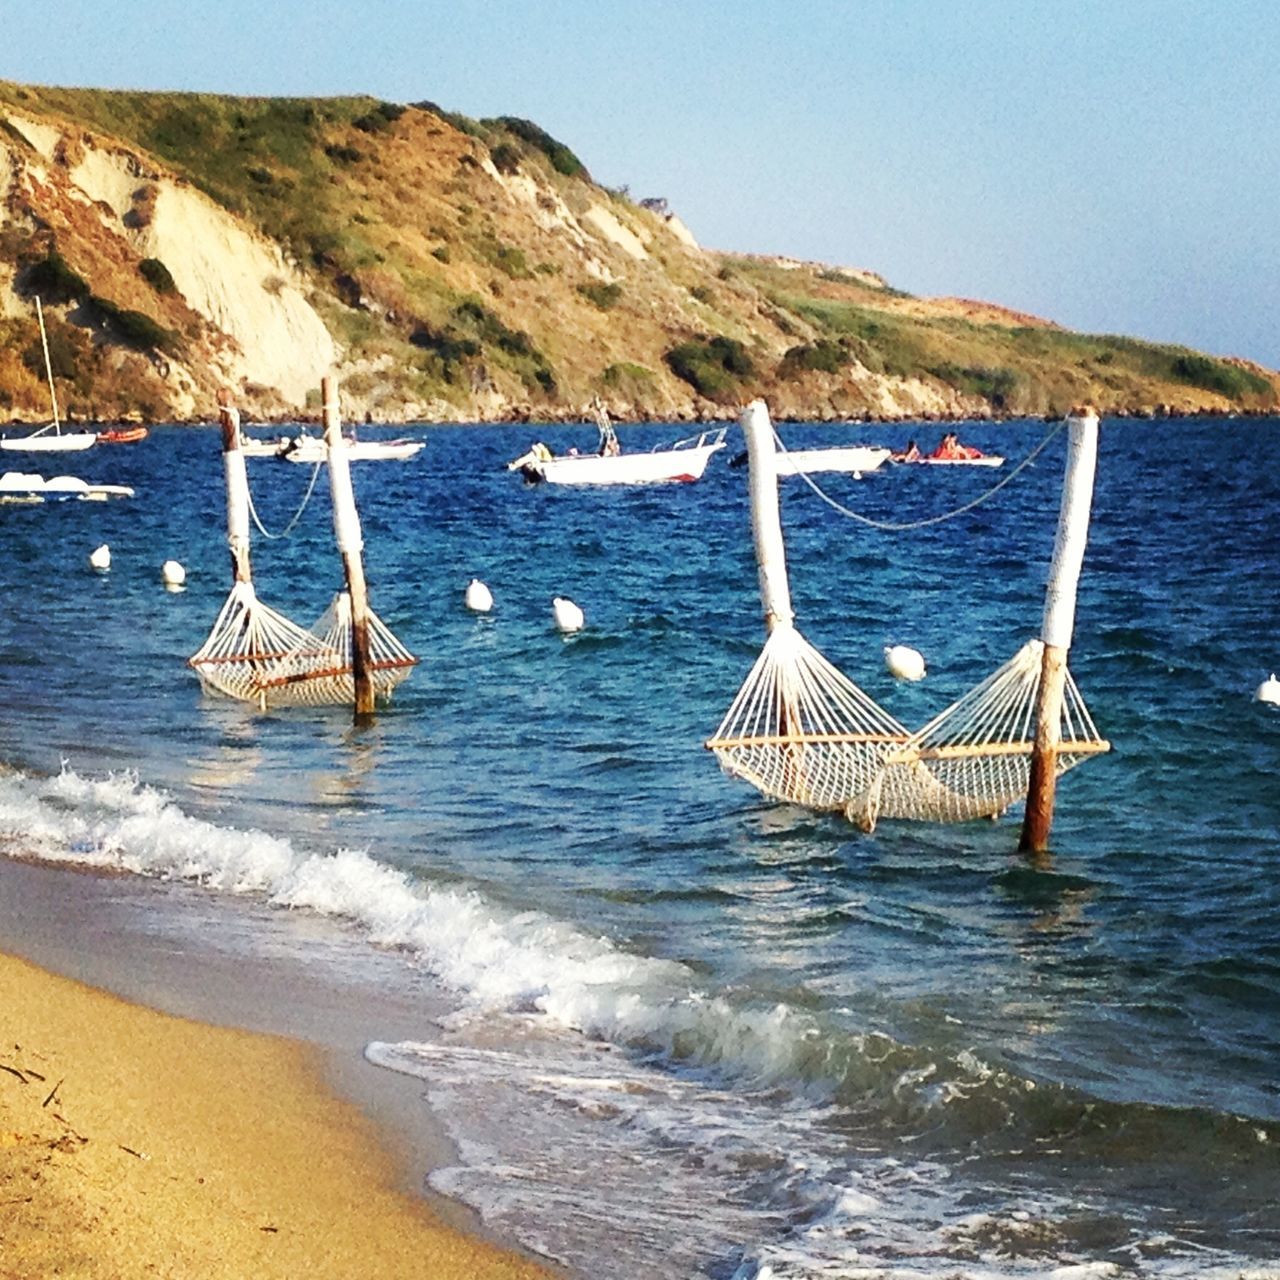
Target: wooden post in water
[766,523]
[237,489]
[346,528]
[1058,624]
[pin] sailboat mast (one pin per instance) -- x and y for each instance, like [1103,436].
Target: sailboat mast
[48,365]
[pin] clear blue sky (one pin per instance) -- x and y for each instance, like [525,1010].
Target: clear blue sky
[1110,164]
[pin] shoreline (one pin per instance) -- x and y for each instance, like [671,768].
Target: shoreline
[203,1124]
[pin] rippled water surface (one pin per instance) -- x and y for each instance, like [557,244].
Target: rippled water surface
[696,1033]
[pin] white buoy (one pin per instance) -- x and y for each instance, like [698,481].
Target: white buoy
[904,662]
[567,615]
[173,573]
[100,558]
[479,598]
[1269,691]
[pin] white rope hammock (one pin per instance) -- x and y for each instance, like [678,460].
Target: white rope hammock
[257,655]
[317,670]
[801,731]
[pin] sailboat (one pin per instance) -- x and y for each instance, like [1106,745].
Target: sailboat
[42,441]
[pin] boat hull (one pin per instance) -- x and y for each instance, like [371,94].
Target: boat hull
[359,451]
[848,458]
[662,466]
[987,460]
[67,442]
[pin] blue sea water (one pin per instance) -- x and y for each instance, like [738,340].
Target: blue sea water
[693,1032]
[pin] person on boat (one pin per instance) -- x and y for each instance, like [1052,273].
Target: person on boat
[910,454]
[951,450]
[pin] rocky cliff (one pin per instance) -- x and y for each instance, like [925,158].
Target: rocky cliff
[451,269]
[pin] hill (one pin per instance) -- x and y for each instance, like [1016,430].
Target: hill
[454,269]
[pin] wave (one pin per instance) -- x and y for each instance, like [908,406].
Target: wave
[498,959]
[777,1093]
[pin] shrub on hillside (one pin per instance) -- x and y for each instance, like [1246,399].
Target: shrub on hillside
[156,274]
[711,367]
[604,296]
[1217,376]
[343,154]
[505,257]
[53,281]
[506,159]
[823,356]
[133,328]
[562,159]
[380,118]
[996,385]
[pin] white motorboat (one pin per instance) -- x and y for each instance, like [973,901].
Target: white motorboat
[43,441]
[309,448]
[680,463]
[257,447]
[851,459]
[19,486]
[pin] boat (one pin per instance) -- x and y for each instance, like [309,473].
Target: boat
[122,435]
[309,448]
[680,463]
[41,441]
[256,447]
[19,486]
[851,459]
[986,460]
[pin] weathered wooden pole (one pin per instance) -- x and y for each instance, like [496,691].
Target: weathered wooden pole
[346,528]
[1058,624]
[237,489]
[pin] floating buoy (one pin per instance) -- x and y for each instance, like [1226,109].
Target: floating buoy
[100,558]
[173,573]
[904,662]
[479,598]
[1269,691]
[567,615]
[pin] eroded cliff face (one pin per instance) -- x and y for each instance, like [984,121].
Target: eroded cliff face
[456,270]
[112,209]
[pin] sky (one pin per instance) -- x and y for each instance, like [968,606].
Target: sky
[1113,165]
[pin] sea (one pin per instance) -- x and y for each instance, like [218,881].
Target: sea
[670,1027]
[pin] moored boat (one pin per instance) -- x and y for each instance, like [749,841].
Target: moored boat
[20,486]
[857,458]
[42,441]
[122,435]
[309,448]
[680,463]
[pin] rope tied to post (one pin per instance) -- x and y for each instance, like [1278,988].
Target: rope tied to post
[891,526]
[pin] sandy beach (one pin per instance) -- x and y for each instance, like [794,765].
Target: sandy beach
[135,1143]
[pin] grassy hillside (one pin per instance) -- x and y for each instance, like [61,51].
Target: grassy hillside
[472,269]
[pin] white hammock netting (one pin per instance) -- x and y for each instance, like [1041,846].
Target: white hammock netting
[801,731]
[257,655]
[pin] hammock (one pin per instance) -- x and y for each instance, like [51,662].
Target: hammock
[258,655]
[801,731]
[317,670]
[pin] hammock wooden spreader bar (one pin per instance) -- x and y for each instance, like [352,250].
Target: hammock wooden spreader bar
[801,731]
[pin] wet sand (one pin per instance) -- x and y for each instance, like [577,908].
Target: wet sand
[137,1142]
